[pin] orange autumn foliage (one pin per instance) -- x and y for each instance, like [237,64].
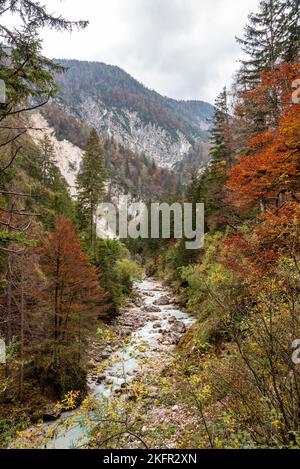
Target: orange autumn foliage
[253,255]
[272,171]
[72,284]
[267,177]
[249,257]
[270,98]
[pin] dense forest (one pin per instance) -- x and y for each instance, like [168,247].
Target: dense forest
[235,366]
[117,89]
[133,173]
[222,373]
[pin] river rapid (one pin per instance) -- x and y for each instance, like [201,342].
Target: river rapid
[153,325]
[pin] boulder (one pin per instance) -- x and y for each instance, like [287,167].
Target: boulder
[163,301]
[178,327]
[157,325]
[152,309]
[51,413]
[92,363]
[174,339]
[100,379]
[125,332]
[126,323]
[138,302]
[172,319]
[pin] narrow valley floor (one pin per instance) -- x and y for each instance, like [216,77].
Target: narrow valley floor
[129,404]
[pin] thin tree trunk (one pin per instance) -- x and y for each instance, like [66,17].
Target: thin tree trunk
[21,389]
[9,295]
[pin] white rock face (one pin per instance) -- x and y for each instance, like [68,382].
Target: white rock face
[68,159]
[128,129]
[67,155]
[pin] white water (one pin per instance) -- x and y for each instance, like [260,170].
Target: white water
[147,341]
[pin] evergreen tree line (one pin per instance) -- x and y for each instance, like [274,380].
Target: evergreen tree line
[58,281]
[235,369]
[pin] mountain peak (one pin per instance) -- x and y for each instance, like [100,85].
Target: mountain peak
[112,101]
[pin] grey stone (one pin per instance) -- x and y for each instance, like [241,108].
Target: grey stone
[163,301]
[178,327]
[51,413]
[152,309]
[100,379]
[157,325]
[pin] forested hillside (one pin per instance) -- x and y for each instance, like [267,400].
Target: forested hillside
[129,172]
[117,105]
[58,282]
[236,368]
[143,343]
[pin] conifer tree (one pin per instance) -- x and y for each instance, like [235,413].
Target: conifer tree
[185,256]
[52,189]
[292,36]
[46,160]
[220,133]
[74,298]
[27,74]
[91,186]
[265,39]
[213,180]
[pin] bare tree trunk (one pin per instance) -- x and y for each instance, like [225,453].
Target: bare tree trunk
[9,279]
[9,296]
[262,206]
[21,387]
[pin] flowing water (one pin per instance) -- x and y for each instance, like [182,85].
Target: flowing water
[153,337]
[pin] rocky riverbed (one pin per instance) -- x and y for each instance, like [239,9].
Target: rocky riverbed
[152,324]
[149,328]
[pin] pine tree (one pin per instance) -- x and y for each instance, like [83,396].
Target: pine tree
[27,74]
[91,186]
[73,298]
[212,191]
[264,40]
[47,160]
[292,36]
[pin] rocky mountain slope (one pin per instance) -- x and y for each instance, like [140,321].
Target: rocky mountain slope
[67,155]
[129,172]
[117,105]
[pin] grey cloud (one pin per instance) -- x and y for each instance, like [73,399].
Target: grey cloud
[181,48]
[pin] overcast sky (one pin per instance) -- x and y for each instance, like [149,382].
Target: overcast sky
[184,49]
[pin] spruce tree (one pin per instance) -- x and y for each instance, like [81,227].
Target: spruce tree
[213,180]
[91,186]
[51,187]
[46,160]
[220,132]
[292,32]
[27,74]
[185,256]
[264,40]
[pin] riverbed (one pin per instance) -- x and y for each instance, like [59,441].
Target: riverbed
[154,326]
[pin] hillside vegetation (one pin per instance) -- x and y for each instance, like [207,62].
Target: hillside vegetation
[211,335]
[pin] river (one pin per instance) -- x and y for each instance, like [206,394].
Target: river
[158,325]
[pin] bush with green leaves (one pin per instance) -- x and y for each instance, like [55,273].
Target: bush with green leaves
[118,271]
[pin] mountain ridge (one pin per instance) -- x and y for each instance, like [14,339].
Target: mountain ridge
[116,104]
[129,173]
